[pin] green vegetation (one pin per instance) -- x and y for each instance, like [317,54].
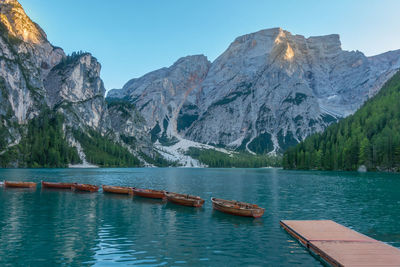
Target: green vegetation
[297,100]
[157,160]
[370,137]
[185,121]
[3,128]
[216,159]
[163,139]
[70,59]
[9,37]
[126,108]
[286,141]
[328,118]
[119,102]
[167,141]
[102,151]
[155,132]
[129,140]
[261,144]
[43,145]
[243,89]
[3,136]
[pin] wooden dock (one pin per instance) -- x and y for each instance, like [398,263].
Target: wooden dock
[339,246]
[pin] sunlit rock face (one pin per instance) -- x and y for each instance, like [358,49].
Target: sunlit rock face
[36,77]
[18,24]
[267,91]
[35,73]
[27,38]
[26,58]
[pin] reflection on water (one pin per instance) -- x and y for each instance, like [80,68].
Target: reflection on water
[151,201]
[59,227]
[236,220]
[179,209]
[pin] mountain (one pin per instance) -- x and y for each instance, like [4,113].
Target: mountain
[162,95]
[267,91]
[53,110]
[369,138]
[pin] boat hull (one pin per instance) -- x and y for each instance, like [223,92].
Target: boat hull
[254,212]
[85,187]
[117,190]
[19,184]
[185,200]
[149,193]
[57,185]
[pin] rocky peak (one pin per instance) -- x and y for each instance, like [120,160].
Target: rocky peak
[184,71]
[280,88]
[265,41]
[267,34]
[324,46]
[191,61]
[390,57]
[267,91]
[162,94]
[27,41]
[75,79]
[18,24]
[38,78]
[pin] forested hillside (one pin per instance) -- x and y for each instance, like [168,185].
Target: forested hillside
[370,137]
[216,159]
[103,151]
[43,145]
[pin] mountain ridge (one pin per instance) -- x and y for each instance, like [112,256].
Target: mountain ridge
[256,73]
[39,85]
[266,92]
[367,140]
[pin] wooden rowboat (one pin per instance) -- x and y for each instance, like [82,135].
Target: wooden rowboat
[237,208]
[85,187]
[57,185]
[148,193]
[117,189]
[185,200]
[19,184]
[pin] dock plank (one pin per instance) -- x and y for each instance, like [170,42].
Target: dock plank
[341,246]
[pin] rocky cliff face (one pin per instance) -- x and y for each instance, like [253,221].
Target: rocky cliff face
[36,76]
[267,91]
[164,95]
[26,57]
[74,87]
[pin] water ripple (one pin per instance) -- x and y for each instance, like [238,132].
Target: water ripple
[64,228]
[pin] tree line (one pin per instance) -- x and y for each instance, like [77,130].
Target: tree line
[370,137]
[216,159]
[102,151]
[42,145]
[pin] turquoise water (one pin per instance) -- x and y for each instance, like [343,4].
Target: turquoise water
[45,228]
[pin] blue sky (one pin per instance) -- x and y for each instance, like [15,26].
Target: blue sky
[133,37]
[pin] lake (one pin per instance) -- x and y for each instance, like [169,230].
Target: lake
[47,227]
